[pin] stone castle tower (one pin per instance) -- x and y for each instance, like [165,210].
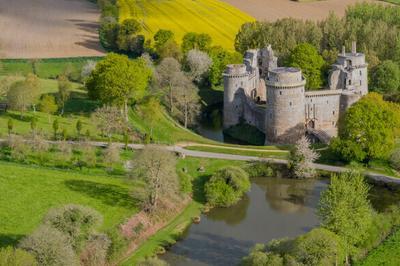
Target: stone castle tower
[274,98]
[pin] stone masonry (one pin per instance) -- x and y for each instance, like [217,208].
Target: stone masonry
[274,99]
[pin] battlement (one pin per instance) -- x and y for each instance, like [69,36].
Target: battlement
[235,70]
[285,77]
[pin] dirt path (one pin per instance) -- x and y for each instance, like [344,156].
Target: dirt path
[275,9]
[48,28]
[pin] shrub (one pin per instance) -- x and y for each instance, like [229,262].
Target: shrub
[18,147]
[111,155]
[50,247]
[10,256]
[395,159]
[227,186]
[259,256]
[259,169]
[153,261]
[76,221]
[301,159]
[95,252]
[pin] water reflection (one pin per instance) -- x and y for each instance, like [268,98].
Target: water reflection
[274,208]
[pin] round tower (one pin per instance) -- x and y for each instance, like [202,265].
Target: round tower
[285,115]
[235,80]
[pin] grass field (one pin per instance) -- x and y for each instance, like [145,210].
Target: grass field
[27,193]
[221,21]
[388,253]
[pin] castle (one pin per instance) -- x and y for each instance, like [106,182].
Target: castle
[274,99]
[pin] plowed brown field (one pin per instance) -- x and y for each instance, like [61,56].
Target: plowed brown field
[48,28]
[275,9]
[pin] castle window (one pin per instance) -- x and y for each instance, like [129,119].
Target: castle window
[350,82]
[333,123]
[290,103]
[280,93]
[333,112]
[360,73]
[311,100]
[360,82]
[327,102]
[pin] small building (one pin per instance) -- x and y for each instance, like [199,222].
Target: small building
[274,99]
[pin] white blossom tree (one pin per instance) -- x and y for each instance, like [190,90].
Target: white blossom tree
[198,63]
[302,158]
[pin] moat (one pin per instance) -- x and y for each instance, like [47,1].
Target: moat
[274,208]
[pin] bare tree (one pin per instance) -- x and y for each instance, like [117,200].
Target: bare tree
[87,69]
[302,158]
[111,155]
[109,120]
[169,76]
[198,63]
[187,102]
[6,83]
[157,168]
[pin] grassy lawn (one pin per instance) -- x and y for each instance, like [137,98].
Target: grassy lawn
[171,233]
[220,20]
[45,68]
[27,193]
[388,253]
[261,153]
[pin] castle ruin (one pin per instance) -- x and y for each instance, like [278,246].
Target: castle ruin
[274,99]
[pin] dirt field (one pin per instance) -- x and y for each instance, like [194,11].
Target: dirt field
[275,9]
[48,28]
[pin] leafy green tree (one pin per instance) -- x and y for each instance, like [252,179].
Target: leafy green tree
[199,41]
[10,256]
[227,186]
[333,31]
[344,209]
[48,105]
[34,121]
[79,126]
[56,126]
[162,36]
[151,111]
[117,80]
[220,59]
[108,33]
[165,45]
[24,94]
[367,130]
[64,91]
[306,57]
[386,78]
[10,126]
[128,39]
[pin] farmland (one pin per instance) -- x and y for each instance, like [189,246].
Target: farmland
[219,20]
[276,9]
[48,28]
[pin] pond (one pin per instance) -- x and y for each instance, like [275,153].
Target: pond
[274,208]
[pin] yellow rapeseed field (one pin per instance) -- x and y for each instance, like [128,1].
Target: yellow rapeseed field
[220,20]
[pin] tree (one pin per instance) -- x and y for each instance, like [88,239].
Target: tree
[386,78]
[367,130]
[95,252]
[198,63]
[10,256]
[306,57]
[128,38]
[10,126]
[24,94]
[6,84]
[79,127]
[168,75]
[199,41]
[109,121]
[301,159]
[227,186]
[108,33]
[187,102]
[220,59]
[117,80]
[75,221]
[34,121]
[55,127]
[162,36]
[111,155]
[48,105]
[395,159]
[151,111]
[157,168]
[333,30]
[50,247]
[87,69]
[344,208]
[64,91]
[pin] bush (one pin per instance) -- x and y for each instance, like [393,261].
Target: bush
[153,261]
[259,256]
[227,186]
[259,169]
[95,252]
[76,221]
[18,147]
[395,159]
[16,257]
[50,247]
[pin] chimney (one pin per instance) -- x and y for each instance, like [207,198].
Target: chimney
[354,48]
[343,50]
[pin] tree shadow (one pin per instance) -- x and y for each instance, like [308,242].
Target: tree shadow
[9,239]
[198,188]
[20,117]
[80,103]
[109,194]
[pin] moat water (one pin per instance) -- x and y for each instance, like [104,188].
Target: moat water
[273,208]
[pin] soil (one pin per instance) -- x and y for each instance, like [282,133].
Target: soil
[49,28]
[271,10]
